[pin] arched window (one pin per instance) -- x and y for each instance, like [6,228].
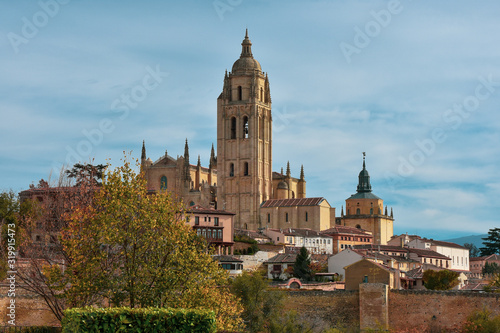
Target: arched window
[358,211]
[163,183]
[371,211]
[261,94]
[307,217]
[293,195]
[245,127]
[191,203]
[233,128]
[245,169]
[268,218]
[358,226]
[286,217]
[246,226]
[240,93]
[231,170]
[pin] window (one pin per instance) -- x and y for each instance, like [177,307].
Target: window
[196,220]
[245,127]
[268,218]
[216,221]
[220,234]
[286,217]
[163,183]
[231,170]
[261,94]
[240,93]
[233,128]
[209,219]
[306,217]
[358,211]
[371,211]
[245,169]
[205,219]
[191,203]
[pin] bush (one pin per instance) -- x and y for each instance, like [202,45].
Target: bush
[482,322]
[90,320]
[32,329]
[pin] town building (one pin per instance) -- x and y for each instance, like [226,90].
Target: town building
[347,237]
[233,265]
[216,226]
[477,264]
[296,238]
[367,271]
[311,213]
[459,255]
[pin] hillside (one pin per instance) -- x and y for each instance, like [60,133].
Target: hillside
[474,239]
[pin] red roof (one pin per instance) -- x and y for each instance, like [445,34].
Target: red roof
[197,209]
[340,229]
[292,202]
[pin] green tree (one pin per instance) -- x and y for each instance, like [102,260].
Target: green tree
[491,243]
[473,250]
[87,171]
[260,303]
[137,250]
[302,266]
[491,268]
[440,280]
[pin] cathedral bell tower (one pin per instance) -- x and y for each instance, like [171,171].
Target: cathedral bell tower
[244,139]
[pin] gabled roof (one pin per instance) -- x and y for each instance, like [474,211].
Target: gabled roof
[340,229]
[491,257]
[381,248]
[292,202]
[224,258]
[197,209]
[428,254]
[282,259]
[300,232]
[444,244]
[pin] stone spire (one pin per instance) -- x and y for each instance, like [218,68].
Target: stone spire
[385,210]
[302,172]
[391,213]
[364,179]
[187,174]
[342,211]
[213,159]
[143,155]
[288,169]
[199,162]
[246,47]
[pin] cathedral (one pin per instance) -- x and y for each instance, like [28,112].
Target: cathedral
[239,178]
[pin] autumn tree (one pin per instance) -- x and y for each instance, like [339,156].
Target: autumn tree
[491,243]
[43,216]
[302,266]
[440,280]
[9,216]
[134,249]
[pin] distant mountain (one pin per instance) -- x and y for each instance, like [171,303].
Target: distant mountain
[474,239]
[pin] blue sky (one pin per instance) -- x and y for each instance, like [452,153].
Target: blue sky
[414,84]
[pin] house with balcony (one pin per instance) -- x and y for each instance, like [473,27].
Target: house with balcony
[216,226]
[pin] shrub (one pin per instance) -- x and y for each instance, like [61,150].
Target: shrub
[151,320]
[482,322]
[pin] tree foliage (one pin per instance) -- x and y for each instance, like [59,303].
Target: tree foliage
[491,243]
[260,303]
[87,172]
[473,250]
[302,266]
[490,268]
[440,280]
[128,248]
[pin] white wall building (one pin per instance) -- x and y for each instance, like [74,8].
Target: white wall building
[312,240]
[459,255]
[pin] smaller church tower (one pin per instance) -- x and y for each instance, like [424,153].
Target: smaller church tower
[365,210]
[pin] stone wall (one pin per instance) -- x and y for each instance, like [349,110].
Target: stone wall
[432,309]
[326,308]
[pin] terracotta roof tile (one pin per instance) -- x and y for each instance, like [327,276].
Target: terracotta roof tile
[292,202]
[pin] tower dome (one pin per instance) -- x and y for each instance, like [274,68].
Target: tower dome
[364,179]
[282,185]
[246,62]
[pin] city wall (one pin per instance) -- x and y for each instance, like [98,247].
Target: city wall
[421,310]
[406,309]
